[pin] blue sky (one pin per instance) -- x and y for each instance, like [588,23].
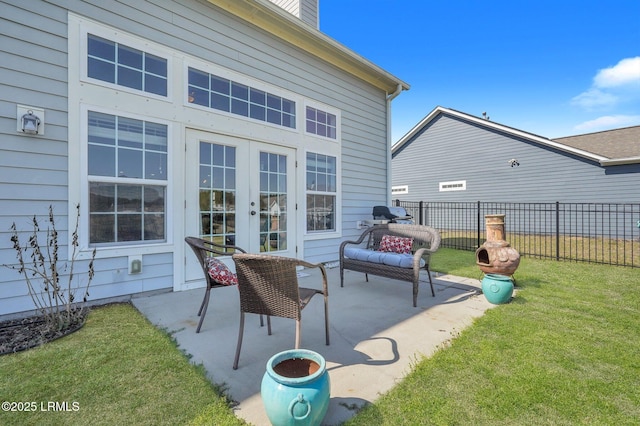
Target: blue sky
[553,68]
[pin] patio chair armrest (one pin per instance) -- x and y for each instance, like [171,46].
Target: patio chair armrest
[424,251]
[221,248]
[236,248]
[358,241]
[420,253]
[323,270]
[205,248]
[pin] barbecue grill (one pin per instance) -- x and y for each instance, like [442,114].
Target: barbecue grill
[386,214]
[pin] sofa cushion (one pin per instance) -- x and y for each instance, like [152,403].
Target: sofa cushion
[400,260]
[393,244]
[220,273]
[365,255]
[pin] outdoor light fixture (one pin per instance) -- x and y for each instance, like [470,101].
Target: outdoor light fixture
[30,120]
[514,162]
[30,123]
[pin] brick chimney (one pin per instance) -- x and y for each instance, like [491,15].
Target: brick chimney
[307,10]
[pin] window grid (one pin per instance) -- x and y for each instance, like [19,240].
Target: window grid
[217,193]
[126,148]
[321,123]
[122,65]
[273,202]
[226,95]
[120,213]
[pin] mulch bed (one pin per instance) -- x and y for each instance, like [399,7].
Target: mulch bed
[20,334]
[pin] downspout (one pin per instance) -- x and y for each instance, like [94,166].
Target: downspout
[390,97]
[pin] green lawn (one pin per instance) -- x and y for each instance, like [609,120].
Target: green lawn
[118,370]
[565,351]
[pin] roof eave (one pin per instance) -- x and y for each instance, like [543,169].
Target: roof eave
[287,27]
[620,161]
[415,129]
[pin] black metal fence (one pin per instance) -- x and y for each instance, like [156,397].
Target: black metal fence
[581,232]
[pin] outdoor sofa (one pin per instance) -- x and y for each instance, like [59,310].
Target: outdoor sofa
[396,251]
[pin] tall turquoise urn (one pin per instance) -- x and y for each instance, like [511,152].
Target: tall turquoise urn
[295,388]
[497,288]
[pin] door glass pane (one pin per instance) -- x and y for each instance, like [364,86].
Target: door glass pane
[273,202]
[217,193]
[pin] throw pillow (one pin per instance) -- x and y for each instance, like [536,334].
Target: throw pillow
[393,244]
[220,273]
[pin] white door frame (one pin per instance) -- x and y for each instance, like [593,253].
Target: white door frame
[247,192]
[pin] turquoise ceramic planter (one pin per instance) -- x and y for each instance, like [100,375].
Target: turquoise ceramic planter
[498,289]
[296,388]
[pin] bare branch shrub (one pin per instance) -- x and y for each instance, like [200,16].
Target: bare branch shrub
[53,294]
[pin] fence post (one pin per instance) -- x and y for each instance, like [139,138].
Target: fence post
[557,230]
[478,224]
[420,213]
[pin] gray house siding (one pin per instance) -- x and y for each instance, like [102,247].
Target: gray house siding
[34,171]
[452,149]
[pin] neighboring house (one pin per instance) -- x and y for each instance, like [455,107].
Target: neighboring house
[453,156]
[164,119]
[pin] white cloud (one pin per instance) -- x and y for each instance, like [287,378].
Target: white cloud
[612,85]
[594,98]
[608,122]
[627,71]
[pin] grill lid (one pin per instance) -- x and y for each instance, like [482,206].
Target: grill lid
[390,213]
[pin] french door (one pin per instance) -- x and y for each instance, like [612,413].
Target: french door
[239,192]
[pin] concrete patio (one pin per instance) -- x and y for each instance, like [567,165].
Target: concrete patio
[376,334]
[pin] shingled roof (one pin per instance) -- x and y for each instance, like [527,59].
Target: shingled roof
[616,144]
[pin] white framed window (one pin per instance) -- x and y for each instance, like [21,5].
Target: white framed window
[457,185]
[321,123]
[321,192]
[322,139]
[399,189]
[113,59]
[122,65]
[127,162]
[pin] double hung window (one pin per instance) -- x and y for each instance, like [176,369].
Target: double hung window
[127,172]
[321,192]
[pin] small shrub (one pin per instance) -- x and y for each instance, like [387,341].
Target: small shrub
[49,282]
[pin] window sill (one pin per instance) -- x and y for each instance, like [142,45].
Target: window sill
[309,236]
[119,251]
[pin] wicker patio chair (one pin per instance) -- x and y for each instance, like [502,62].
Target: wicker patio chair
[204,249]
[268,285]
